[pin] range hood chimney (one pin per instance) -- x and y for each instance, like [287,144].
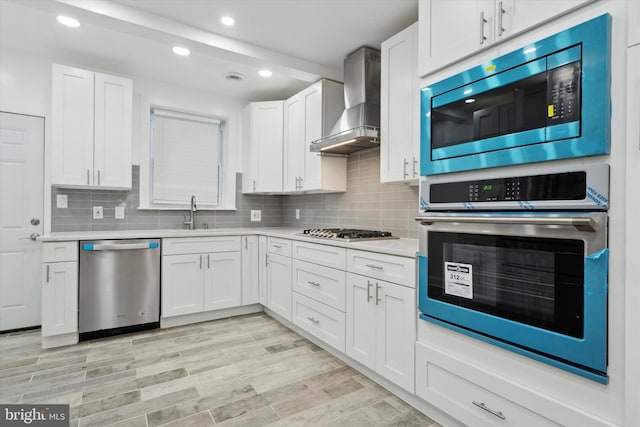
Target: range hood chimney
[358,127]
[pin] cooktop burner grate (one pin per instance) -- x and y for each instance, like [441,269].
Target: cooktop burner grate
[348,234]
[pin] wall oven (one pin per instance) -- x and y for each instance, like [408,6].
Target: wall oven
[546,101]
[530,281]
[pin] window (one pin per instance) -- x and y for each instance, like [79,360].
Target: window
[186,159]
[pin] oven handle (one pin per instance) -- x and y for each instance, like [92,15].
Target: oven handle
[581,223]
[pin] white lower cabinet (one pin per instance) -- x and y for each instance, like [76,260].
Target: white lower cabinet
[381,327]
[262,270]
[320,320]
[250,270]
[182,285]
[59,288]
[323,284]
[222,281]
[319,291]
[278,274]
[194,282]
[480,398]
[60,298]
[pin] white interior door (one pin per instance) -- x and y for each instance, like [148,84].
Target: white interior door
[21,210]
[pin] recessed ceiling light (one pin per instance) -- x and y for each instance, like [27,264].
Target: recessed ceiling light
[182,51]
[265,73]
[470,100]
[227,20]
[68,21]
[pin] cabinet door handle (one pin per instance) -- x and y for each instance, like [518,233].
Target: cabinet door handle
[482,22]
[377,267]
[316,321]
[482,405]
[200,262]
[369,285]
[404,168]
[311,282]
[48,270]
[266,261]
[246,243]
[415,167]
[98,176]
[377,290]
[88,176]
[277,246]
[501,12]
[208,260]
[254,185]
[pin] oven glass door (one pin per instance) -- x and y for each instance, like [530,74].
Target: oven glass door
[534,281]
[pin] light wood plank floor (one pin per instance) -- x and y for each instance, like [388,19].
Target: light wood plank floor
[242,371]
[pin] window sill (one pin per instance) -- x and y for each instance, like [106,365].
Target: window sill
[186,208]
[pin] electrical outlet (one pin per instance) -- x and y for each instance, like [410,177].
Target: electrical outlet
[256,215]
[297,213]
[98,213]
[119,212]
[62,201]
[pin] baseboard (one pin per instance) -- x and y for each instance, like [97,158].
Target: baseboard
[59,340]
[170,322]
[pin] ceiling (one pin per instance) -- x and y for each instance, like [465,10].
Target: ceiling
[299,40]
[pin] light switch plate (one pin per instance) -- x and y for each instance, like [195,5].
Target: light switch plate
[62,201]
[119,212]
[256,215]
[98,213]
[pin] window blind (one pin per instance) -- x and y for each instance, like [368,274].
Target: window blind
[185,158]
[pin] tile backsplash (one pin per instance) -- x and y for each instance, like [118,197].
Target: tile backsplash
[79,215]
[366,204]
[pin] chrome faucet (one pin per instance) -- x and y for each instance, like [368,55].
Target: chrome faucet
[191,221]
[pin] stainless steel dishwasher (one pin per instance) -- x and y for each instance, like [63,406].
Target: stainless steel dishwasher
[119,290]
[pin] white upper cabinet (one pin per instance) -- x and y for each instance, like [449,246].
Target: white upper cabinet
[453,29]
[400,108]
[263,124]
[634,22]
[91,129]
[309,115]
[112,128]
[450,30]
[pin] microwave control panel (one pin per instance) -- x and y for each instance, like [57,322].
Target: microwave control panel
[557,186]
[563,94]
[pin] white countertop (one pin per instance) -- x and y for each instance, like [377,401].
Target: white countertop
[400,247]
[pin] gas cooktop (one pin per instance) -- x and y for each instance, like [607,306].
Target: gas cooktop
[348,234]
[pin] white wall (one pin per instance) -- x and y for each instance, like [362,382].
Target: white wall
[25,88]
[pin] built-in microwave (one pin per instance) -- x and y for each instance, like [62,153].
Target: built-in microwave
[546,101]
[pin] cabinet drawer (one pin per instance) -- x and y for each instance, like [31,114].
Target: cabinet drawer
[194,245]
[321,283]
[323,322]
[279,246]
[59,251]
[330,256]
[479,398]
[391,268]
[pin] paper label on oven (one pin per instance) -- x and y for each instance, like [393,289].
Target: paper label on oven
[458,279]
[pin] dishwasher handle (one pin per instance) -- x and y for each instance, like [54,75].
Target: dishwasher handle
[118,246]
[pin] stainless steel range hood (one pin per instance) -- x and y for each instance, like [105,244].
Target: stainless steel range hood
[358,127]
